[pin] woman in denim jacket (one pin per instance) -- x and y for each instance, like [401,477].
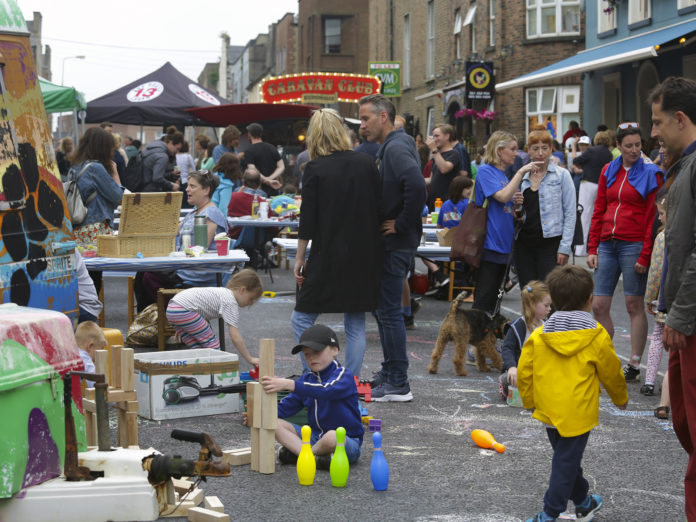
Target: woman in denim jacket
[549,211]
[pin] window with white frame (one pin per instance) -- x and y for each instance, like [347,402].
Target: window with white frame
[638,10]
[606,20]
[430,52]
[429,121]
[683,4]
[553,107]
[491,23]
[458,33]
[552,18]
[470,20]
[406,72]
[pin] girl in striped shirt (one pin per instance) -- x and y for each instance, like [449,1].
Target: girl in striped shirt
[191,310]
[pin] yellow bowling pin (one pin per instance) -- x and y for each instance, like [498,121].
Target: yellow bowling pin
[306,464]
[485,440]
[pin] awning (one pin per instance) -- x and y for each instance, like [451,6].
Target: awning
[631,49]
[60,99]
[242,113]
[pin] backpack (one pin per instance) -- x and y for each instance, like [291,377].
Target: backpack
[77,209]
[134,176]
[143,330]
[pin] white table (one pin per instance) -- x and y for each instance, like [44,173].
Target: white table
[206,263]
[430,250]
[262,223]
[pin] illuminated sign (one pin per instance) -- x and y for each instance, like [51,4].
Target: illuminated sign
[331,87]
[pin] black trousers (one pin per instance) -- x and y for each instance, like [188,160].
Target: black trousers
[489,277]
[534,260]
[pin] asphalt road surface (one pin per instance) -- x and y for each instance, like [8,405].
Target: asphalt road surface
[437,473]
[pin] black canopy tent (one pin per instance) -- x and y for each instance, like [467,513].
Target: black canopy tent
[159,98]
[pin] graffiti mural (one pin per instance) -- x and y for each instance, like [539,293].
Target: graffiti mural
[36,257]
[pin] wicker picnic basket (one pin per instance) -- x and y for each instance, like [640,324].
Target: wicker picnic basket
[149,223]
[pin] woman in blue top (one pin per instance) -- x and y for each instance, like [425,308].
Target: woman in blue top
[451,211]
[549,213]
[201,185]
[229,170]
[492,184]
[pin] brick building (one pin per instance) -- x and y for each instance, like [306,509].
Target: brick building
[434,39]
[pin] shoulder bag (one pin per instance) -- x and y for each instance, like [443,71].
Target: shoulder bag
[470,235]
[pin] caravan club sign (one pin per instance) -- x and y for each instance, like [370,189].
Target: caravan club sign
[318,88]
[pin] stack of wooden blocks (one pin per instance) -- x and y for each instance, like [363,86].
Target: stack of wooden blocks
[262,413]
[120,377]
[184,500]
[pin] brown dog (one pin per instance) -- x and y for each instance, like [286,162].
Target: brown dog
[468,326]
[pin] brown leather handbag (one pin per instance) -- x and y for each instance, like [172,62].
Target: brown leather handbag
[467,244]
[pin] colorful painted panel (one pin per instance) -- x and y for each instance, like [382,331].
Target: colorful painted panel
[35,265]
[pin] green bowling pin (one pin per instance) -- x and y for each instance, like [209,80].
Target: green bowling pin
[339,463]
[306,464]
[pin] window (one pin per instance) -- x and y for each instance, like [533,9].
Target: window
[638,11]
[430,53]
[683,4]
[553,107]
[491,23]
[470,20]
[430,121]
[605,21]
[552,18]
[332,35]
[458,34]
[406,73]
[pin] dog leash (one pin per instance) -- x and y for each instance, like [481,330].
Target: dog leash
[501,290]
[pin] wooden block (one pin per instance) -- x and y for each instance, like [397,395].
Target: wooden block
[269,410]
[91,426]
[89,406]
[101,363]
[195,496]
[180,511]
[122,431]
[207,515]
[267,357]
[255,449]
[131,406]
[266,451]
[254,412]
[181,486]
[127,369]
[115,380]
[239,457]
[214,504]
[170,493]
[112,395]
[132,428]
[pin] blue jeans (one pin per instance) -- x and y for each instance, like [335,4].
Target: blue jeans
[354,324]
[615,258]
[566,482]
[352,445]
[390,319]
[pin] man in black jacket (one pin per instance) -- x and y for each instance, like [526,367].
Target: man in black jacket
[158,163]
[403,198]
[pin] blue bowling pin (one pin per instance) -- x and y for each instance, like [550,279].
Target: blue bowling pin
[379,469]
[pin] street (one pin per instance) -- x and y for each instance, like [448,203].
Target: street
[437,473]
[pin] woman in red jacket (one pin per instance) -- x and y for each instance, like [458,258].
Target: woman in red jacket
[620,240]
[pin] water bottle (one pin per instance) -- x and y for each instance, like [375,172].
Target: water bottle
[200,231]
[255,207]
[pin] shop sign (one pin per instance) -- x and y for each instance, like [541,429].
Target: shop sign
[331,87]
[479,81]
[390,74]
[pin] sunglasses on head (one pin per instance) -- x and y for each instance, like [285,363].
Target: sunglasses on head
[624,126]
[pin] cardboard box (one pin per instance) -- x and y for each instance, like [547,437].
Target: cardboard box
[186,383]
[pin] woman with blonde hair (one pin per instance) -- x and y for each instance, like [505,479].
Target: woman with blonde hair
[340,215]
[503,195]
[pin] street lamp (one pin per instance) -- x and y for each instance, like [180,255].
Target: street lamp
[62,74]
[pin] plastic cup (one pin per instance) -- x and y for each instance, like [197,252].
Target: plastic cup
[433,217]
[223,246]
[513,398]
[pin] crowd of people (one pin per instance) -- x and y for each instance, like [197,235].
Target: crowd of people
[362,208]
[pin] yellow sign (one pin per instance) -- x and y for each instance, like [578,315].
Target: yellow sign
[319,98]
[479,78]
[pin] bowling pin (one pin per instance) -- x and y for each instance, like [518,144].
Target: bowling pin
[485,440]
[339,463]
[379,469]
[306,464]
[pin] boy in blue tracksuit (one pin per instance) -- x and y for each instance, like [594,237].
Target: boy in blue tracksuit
[328,391]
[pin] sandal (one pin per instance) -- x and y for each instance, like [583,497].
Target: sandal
[662,412]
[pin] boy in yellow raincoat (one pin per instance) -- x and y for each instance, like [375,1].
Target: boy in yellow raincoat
[559,372]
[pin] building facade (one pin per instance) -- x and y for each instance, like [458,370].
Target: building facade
[435,39]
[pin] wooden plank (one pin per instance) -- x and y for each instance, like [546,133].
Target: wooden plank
[132,428]
[207,515]
[214,503]
[181,486]
[90,426]
[130,406]
[115,380]
[113,395]
[127,369]
[101,363]
[239,457]
[88,405]
[269,401]
[255,449]
[180,511]
[254,403]
[122,432]
[170,493]
[266,451]
[266,357]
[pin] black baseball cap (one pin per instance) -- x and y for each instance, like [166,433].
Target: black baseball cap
[317,337]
